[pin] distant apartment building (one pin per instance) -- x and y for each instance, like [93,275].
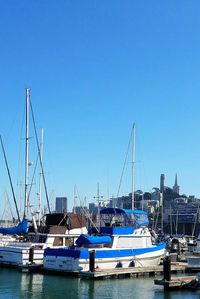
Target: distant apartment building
[61,204]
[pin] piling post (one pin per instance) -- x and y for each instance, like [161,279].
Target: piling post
[92,261]
[31,254]
[167,268]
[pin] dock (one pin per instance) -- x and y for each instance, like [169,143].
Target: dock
[130,272]
[178,282]
[111,273]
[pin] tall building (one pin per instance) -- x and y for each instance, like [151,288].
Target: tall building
[176,187]
[162,183]
[61,204]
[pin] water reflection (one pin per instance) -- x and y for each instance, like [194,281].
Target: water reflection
[31,285]
[15,285]
[60,287]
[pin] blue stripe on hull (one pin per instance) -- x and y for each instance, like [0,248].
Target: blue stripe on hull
[109,253]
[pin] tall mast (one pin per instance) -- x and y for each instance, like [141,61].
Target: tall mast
[38,147]
[26,152]
[98,197]
[98,202]
[133,167]
[75,197]
[40,178]
[170,219]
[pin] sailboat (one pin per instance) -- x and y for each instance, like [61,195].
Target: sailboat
[60,229]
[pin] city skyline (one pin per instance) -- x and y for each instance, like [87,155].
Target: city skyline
[94,69]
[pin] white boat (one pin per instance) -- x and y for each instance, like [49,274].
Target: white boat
[60,230]
[124,241]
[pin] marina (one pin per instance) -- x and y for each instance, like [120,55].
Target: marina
[100,149]
[117,244]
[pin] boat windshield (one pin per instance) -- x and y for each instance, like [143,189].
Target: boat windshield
[141,219]
[133,218]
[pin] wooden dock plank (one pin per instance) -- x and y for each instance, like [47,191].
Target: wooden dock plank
[130,272]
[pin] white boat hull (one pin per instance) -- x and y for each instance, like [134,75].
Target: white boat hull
[21,256]
[68,264]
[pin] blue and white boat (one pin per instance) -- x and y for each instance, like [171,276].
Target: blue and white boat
[124,240]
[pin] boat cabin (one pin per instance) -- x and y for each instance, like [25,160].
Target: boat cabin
[121,221]
[60,229]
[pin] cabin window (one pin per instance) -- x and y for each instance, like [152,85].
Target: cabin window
[128,242]
[69,241]
[106,219]
[141,219]
[58,241]
[111,220]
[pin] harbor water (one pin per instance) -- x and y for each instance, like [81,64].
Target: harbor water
[17,285]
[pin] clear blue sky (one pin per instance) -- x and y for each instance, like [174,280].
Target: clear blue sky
[94,68]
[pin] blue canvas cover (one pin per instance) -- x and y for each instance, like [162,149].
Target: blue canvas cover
[21,228]
[117,230]
[86,239]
